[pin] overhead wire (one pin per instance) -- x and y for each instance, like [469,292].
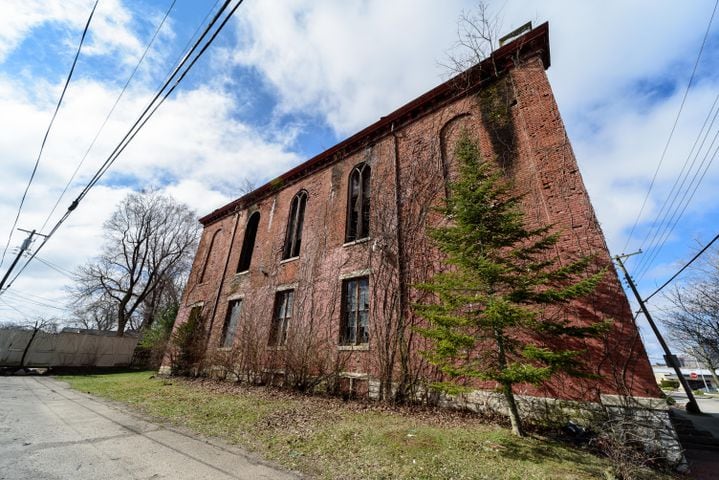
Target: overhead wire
[4,302]
[685,205]
[51,265]
[671,279]
[41,298]
[183,51]
[674,126]
[47,131]
[152,107]
[59,270]
[109,114]
[21,298]
[666,215]
[142,120]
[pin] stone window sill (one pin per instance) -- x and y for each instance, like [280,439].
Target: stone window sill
[356,242]
[360,348]
[288,260]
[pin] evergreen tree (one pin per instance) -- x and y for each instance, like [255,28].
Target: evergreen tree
[490,319]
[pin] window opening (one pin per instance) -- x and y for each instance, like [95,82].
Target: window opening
[293,237]
[248,244]
[281,317]
[355,311]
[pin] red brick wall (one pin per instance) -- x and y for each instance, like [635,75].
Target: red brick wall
[532,146]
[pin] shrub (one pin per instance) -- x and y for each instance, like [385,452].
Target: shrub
[155,339]
[188,346]
[669,384]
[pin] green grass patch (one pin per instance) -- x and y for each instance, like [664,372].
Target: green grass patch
[328,438]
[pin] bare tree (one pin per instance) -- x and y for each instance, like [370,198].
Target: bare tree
[92,313]
[149,241]
[246,186]
[693,317]
[477,35]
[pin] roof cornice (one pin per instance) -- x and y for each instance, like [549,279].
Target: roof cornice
[534,42]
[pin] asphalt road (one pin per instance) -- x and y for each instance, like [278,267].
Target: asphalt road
[48,431]
[707,403]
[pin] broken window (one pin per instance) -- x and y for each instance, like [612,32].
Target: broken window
[248,244]
[229,329]
[355,311]
[358,202]
[208,256]
[281,318]
[293,237]
[195,314]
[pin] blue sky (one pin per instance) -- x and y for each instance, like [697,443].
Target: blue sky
[290,78]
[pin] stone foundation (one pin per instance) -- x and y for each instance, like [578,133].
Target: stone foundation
[641,420]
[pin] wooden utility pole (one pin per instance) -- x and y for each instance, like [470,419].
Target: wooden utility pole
[25,245]
[692,406]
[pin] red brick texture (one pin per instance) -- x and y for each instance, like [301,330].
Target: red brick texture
[515,119]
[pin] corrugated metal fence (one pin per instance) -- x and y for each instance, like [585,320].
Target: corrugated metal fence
[65,349]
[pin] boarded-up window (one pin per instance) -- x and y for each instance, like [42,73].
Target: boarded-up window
[208,256]
[354,329]
[281,317]
[232,320]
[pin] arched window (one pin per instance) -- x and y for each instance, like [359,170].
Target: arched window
[293,237]
[248,244]
[208,256]
[358,201]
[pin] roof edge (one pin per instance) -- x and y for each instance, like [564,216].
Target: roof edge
[534,42]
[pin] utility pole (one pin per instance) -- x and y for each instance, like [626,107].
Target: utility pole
[25,245]
[692,406]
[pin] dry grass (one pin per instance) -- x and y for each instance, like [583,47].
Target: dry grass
[331,438]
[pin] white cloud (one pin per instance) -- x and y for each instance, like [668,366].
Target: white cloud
[619,158]
[110,31]
[354,62]
[349,62]
[193,149]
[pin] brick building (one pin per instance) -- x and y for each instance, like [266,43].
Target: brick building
[311,275]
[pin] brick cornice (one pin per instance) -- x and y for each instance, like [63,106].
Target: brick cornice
[533,43]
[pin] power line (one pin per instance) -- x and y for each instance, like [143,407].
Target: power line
[59,270]
[686,203]
[660,232]
[55,267]
[109,114]
[683,268]
[676,121]
[670,199]
[47,132]
[143,119]
[152,107]
[40,298]
[3,301]
[24,299]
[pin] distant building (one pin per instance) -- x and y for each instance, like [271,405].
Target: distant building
[697,378]
[314,272]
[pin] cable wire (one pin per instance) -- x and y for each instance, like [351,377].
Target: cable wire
[109,114]
[47,132]
[141,121]
[686,204]
[676,121]
[673,207]
[683,268]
